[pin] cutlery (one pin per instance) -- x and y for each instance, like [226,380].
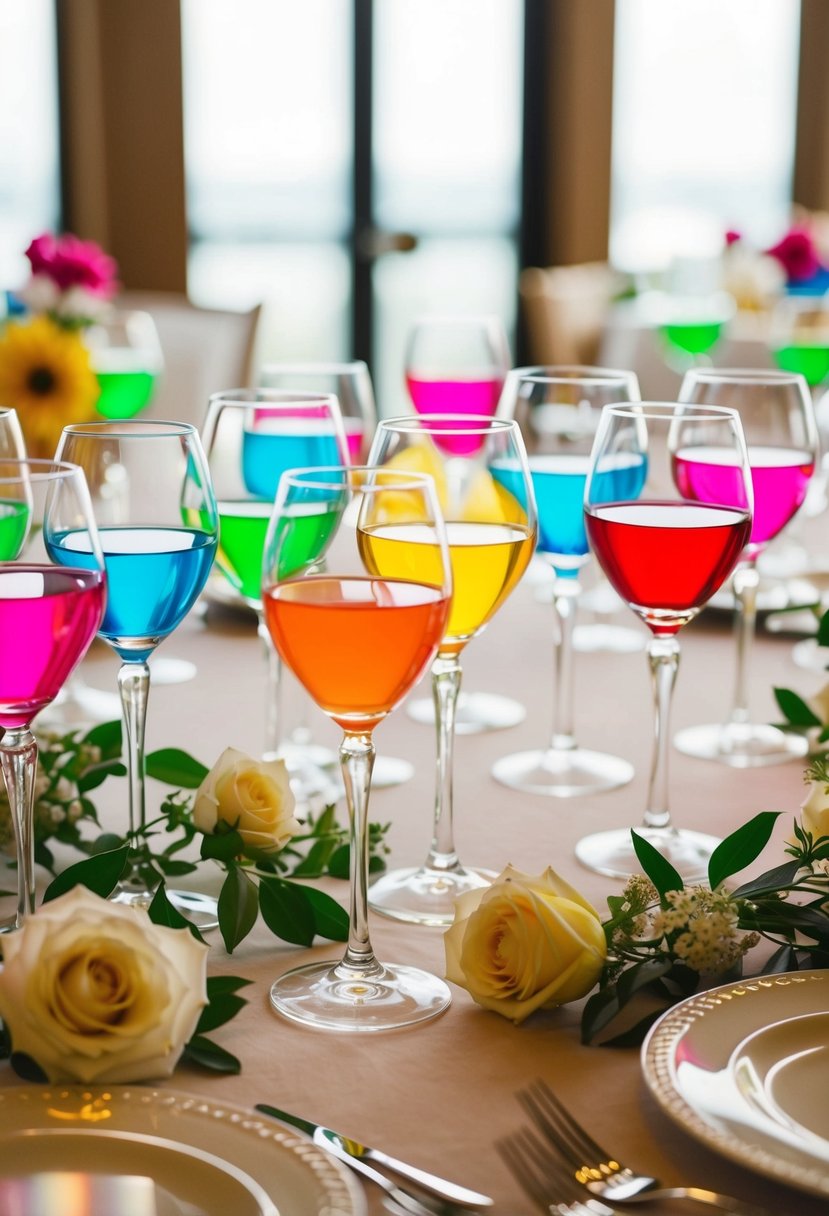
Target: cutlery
[599,1172]
[357,1155]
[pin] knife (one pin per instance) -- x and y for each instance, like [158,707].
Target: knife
[352,1151]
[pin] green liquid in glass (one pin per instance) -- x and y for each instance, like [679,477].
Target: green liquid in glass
[124,394]
[242,530]
[811,361]
[14,525]
[693,337]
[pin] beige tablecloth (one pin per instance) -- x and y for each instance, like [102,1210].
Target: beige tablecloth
[442,1093]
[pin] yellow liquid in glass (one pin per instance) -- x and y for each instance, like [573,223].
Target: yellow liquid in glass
[487,560]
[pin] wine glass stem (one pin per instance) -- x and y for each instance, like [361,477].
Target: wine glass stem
[663,656]
[566,592]
[446,684]
[356,763]
[273,692]
[745,582]
[18,758]
[134,686]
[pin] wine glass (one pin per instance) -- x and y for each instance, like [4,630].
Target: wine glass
[486,495]
[457,365]
[251,437]
[558,410]
[350,383]
[780,430]
[159,527]
[48,616]
[127,359]
[692,325]
[667,539]
[356,585]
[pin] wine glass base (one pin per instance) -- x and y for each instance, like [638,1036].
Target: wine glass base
[810,656]
[424,896]
[476,712]
[326,996]
[612,852]
[200,909]
[164,670]
[745,746]
[590,639]
[562,774]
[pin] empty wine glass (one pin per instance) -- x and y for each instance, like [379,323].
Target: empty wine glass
[251,437]
[480,468]
[350,383]
[48,617]
[668,505]
[158,528]
[356,585]
[457,365]
[779,426]
[558,410]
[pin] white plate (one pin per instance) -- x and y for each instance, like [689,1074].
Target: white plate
[745,1068]
[204,1154]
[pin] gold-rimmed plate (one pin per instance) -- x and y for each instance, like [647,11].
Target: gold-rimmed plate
[745,1068]
[195,1149]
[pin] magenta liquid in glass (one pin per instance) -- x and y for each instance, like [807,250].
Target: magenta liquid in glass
[48,617]
[780,477]
[475,396]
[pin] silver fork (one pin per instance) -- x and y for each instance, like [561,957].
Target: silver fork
[542,1176]
[602,1174]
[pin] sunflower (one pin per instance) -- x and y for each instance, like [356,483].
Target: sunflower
[47,377]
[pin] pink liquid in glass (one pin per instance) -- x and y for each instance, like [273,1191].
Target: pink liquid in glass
[780,477]
[355,434]
[475,396]
[48,617]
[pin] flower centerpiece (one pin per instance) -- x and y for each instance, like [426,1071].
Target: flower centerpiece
[46,372]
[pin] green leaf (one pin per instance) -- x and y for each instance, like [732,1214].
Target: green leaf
[601,1008]
[338,866]
[217,984]
[772,880]
[220,1010]
[162,912]
[316,860]
[784,959]
[287,911]
[658,869]
[741,848]
[635,1034]
[27,1068]
[222,846]
[96,774]
[207,1054]
[100,874]
[176,767]
[107,842]
[173,868]
[823,631]
[108,736]
[330,918]
[238,907]
[794,708]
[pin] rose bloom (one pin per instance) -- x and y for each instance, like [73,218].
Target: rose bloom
[95,992]
[814,811]
[70,262]
[252,796]
[524,944]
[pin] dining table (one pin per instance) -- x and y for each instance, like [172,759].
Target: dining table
[440,1094]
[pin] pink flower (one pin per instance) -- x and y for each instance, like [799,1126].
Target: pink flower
[70,262]
[797,254]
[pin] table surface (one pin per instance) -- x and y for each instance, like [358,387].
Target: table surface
[442,1093]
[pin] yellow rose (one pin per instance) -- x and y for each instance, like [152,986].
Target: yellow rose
[524,944]
[252,796]
[814,810]
[94,991]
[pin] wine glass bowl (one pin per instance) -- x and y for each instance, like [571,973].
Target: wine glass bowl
[666,539]
[781,434]
[49,614]
[356,587]
[127,360]
[479,466]
[559,408]
[349,382]
[158,528]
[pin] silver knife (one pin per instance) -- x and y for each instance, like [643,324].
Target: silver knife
[347,1150]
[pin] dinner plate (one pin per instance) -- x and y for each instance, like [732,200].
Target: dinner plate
[745,1069]
[206,1156]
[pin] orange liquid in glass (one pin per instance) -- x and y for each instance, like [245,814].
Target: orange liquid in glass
[356,644]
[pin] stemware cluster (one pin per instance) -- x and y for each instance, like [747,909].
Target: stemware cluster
[373,552]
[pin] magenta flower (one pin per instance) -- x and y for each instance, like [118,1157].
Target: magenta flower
[70,262]
[797,254]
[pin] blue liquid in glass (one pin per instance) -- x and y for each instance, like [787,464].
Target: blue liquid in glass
[153,578]
[290,443]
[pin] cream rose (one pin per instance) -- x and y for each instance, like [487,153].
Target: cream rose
[814,810]
[252,796]
[94,991]
[524,944]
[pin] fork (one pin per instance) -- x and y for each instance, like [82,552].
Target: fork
[599,1172]
[541,1176]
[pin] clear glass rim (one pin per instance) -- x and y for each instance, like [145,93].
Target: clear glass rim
[37,468]
[568,373]
[144,428]
[270,396]
[671,410]
[321,477]
[464,424]
[742,375]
